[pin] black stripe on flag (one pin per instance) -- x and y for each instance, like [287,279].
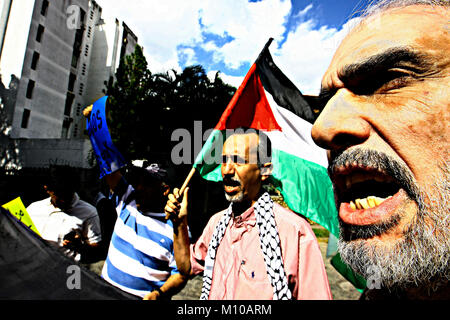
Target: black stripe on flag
[283,91]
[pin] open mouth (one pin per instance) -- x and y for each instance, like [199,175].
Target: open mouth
[231,186]
[365,189]
[366,196]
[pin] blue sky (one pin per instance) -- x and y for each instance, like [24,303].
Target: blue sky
[227,35]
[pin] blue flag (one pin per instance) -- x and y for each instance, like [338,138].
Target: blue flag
[109,159]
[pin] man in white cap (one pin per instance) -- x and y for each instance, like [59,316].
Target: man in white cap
[140,257]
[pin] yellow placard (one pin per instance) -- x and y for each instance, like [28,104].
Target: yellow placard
[18,210]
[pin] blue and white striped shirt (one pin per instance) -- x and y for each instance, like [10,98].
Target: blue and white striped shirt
[140,256]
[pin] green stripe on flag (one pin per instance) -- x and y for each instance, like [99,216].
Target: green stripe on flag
[306,189]
[209,159]
[357,280]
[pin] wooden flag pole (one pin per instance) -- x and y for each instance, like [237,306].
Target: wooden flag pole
[184,186]
[186,182]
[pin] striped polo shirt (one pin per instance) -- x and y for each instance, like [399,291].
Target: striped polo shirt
[140,255]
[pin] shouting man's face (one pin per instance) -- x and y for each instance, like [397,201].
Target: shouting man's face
[386,128]
[242,177]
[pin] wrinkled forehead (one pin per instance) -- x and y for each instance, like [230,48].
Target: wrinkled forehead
[420,27]
[240,144]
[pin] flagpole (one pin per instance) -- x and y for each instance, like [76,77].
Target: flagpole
[184,186]
[186,182]
[268,43]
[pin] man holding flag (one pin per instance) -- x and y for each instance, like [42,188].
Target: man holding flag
[256,249]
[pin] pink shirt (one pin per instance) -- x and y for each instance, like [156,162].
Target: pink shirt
[240,271]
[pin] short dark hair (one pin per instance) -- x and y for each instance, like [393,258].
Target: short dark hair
[62,180]
[148,178]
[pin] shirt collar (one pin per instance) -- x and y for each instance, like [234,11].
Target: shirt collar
[75,199]
[247,218]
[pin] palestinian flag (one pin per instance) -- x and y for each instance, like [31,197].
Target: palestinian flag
[268,101]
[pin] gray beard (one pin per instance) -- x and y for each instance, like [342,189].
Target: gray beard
[235,198]
[420,259]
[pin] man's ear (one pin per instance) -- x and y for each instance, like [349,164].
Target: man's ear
[266,170]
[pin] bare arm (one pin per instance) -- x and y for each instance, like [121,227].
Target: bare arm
[177,212]
[113,179]
[174,284]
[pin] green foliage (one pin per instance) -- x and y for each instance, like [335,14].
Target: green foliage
[145,108]
[9,153]
[321,233]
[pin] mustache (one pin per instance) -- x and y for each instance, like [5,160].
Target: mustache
[379,161]
[231,181]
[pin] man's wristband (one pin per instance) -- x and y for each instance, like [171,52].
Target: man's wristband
[161,294]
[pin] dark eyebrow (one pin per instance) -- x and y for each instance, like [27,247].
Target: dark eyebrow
[373,67]
[391,58]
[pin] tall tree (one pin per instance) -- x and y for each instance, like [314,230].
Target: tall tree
[128,102]
[146,108]
[9,153]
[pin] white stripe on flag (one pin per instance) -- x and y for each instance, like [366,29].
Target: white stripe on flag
[295,137]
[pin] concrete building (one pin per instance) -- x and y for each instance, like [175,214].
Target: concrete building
[59,54]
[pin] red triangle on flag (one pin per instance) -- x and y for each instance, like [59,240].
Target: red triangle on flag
[249,107]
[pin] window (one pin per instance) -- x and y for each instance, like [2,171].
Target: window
[65,127]
[83,69]
[40,31]
[34,60]
[82,16]
[69,100]
[72,79]
[30,89]
[44,8]
[86,50]
[25,118]
[75,59]
[80,92]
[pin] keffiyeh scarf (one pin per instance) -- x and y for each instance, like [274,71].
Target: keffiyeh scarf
[270,246]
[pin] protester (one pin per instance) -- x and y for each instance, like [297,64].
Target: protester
[385,124]
[255,249]
[140,257]
[65,220]
[107,213]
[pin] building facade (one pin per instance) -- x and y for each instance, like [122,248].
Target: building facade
[59,54]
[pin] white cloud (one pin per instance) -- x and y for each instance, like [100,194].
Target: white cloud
[161,26]
[303,12]
[305,55]
[235,81]
[189,55]
[307,52]
[166,29]
[250,24]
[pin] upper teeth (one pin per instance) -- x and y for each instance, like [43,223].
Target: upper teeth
[366,203]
